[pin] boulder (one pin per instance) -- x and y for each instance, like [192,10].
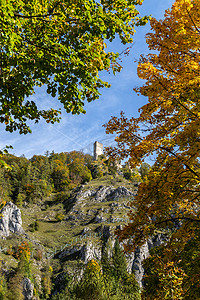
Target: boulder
[105,193]
[99,219]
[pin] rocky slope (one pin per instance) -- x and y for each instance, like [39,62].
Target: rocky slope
[72,230]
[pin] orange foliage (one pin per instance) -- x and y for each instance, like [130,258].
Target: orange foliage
[24,251]
[168,127]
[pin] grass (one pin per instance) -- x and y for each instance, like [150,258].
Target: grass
[109,180]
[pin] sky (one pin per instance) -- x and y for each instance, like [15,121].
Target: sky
[80,132]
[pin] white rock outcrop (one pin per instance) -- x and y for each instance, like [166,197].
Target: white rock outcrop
[28,289]
[10,220]
[89,251]
[143,252]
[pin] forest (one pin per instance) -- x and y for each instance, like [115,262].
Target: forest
[31,180]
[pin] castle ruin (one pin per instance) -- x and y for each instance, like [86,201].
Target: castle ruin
[98,149]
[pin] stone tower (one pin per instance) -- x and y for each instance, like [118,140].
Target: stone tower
[98,149]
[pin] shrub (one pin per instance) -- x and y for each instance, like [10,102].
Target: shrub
[20,199]
[39,255]
[59,217]
[35,226]
[3,287]
[46,282]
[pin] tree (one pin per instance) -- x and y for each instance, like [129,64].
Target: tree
[131,174]
[119,261]
[118,282]
[15,176]
[168,127]
[3,284]
[76,163]
[79,173]
[164,276]
[60,176]
[91,285]
[60,44]
[144,170]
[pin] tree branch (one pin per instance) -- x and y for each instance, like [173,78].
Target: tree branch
[176,219]
[197,29]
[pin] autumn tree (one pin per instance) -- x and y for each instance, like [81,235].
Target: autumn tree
[45,167]
[76,165]
[60,44]
[164,277]
[31,180]
[144,170]
[23,270]
[60,176]
[168,127]
[91,285]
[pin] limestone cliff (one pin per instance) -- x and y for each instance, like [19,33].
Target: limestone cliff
[89,218]
[10,220]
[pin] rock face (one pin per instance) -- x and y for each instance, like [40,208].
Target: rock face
[111,194]
[10,221]
[115,199]
[101,194]
[107,217]
[89,251]
[28,289]
[142,253]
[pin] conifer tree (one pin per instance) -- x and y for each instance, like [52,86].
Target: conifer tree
[119,261]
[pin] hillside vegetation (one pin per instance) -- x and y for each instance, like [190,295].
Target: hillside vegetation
[67,201]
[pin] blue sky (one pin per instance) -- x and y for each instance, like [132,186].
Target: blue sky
[80,132]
